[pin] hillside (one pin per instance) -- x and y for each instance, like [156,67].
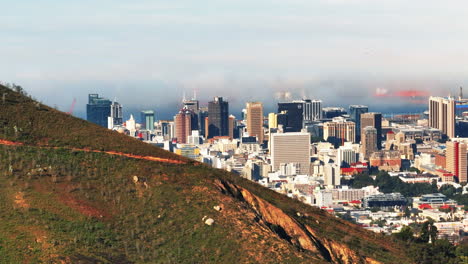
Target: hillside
[73,192]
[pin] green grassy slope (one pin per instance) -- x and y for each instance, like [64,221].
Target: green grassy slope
[72,206]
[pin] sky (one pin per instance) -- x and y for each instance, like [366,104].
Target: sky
[147,54]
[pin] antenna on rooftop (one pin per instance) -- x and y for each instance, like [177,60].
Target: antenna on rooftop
[460,96]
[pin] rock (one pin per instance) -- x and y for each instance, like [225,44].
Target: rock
[299,214]
[217,208]
[209,221]
[203,219]
[135,179]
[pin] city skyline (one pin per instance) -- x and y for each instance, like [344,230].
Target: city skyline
[332,50]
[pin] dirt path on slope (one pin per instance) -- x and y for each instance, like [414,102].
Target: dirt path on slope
[115,153]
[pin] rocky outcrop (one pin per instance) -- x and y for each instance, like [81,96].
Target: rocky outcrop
[291,230]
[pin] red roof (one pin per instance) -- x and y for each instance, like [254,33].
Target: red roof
[445,206]
[425,206]
[355,202]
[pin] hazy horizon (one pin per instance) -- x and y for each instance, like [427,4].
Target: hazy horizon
[146,54]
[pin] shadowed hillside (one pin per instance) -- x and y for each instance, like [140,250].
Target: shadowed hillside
[59,204]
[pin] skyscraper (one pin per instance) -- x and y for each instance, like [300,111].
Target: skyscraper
[312,110]
[457,159]
[116,114]
[218,118]
[339,131]
[183,125]
[147,117]
[202,116]
[98,110]
[291,148]
[232,125]
[255,120]
[374,120]
[294,115]
[442,115]
[193,106]
[369,141]
[355,112]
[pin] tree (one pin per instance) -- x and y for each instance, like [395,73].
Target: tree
[406,234]
[428,231]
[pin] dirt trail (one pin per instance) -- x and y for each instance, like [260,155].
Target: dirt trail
[133,156]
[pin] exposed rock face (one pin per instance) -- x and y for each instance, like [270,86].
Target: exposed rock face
[293,231]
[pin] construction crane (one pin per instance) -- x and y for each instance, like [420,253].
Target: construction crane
[72,107]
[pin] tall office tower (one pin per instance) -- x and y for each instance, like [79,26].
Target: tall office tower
[291,148]
[116,113]
[355,112]
[98,110]
[218,118]
[373,120]
[339,131]
[294,112]
[255,120]
[331,174]
[183,125]
[202,115]
[193,106]
[457,159]
[312,110]
[442,115]
[369,141]
[231,125]
[147,118]
[272,121]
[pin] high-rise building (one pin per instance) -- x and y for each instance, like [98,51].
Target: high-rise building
[355,112]
[193,106]
[147,118]
[331,174]
[442,115]
[183,125]
[202,116]
[374,120]
[331,112]
[218,118]
[232,125]
[255,120]
[272,121]
[369,141]
[294,115]
[456,158]
[339,130]
[98,110]
[291,148]
[312,110]
[116,114]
